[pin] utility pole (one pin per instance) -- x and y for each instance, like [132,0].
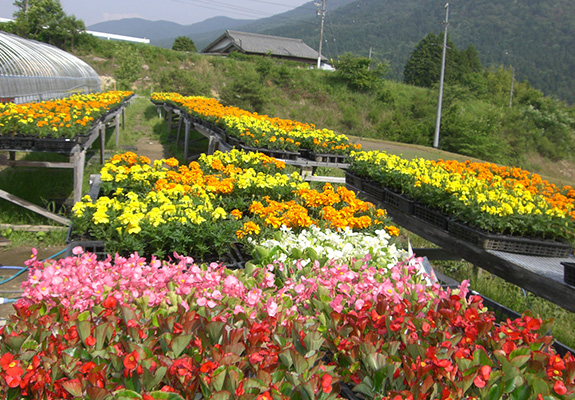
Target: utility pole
[508,53]
[322,14]
[25,6]
[441,79]
[511,92]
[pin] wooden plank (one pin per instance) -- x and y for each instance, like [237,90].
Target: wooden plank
[34,164]
[79,162]
[33,207]
[186,139]
[5,242]
[33,228]
[550,289]
[331,179]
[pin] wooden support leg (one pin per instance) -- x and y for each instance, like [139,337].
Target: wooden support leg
[123,119]
[170,115]
[179,129]
[211,145]
[79,161]
[102,142]
[117,131]
[186,140]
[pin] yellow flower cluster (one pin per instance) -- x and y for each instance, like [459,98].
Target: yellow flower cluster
[470,188]
[260,130]
[66,117]
[234,193]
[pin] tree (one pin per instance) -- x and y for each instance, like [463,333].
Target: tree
[360,72]
[184,43]
[423,68]
[45,21]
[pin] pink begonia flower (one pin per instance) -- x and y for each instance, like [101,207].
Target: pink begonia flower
[185,305]
[272,308]
[254,296]
[238,309]
[77,250]
[299,288]
[359,304]
[216,294]
[336,304]
[201,301]
[211,304]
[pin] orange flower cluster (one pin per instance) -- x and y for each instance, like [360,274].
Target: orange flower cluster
[516,179]
[331,208]
[58,118]
[260,130]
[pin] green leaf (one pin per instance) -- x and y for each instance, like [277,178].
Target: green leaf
[495,392]
[218,378]
[84,329]
[125,394]
[522,392]
[84,316]
[378,379]
[214,330]
[158,395]
[520,360]
[179,344]
[151,380]
[223,395]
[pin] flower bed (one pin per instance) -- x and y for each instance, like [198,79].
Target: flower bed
[55,125]
[203,207]
[261,131]
[293,329]
[490,198]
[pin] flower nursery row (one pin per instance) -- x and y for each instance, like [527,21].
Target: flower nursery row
[204,207]
[296,323]
[260,131]
[61,118]
[493,198]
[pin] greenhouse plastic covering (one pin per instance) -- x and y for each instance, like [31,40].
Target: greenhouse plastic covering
[34,71]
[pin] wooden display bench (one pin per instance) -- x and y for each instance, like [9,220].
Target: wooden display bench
[77,156]
[542,276]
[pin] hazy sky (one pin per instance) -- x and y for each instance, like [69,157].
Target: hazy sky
[184,12]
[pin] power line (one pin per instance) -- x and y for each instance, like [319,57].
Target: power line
[226,7]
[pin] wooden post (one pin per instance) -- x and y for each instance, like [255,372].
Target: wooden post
[186,140]
[33,207]
[102,142]
[170,114]
[79,161]
[117,131]
[211,145]
[179,128]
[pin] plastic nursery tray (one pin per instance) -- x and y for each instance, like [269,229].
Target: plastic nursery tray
[280,154]
[569,273]
[430,216]
[330,158]
[509,244]
[353,180]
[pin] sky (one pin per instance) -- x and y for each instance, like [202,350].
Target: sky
[184,12]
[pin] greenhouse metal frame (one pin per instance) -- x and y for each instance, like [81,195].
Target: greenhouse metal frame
[34,71]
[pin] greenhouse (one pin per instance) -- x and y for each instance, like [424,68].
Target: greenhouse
[34,71]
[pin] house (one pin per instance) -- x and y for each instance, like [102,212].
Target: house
[256,44]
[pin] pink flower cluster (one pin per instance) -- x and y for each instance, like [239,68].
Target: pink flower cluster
[82,282]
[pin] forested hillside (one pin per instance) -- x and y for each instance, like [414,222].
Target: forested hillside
[534,37]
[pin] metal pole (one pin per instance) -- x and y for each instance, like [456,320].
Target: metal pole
[511,92]
[439,103]
[322,12]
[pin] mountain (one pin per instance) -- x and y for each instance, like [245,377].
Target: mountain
[534,37]
[163,33]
